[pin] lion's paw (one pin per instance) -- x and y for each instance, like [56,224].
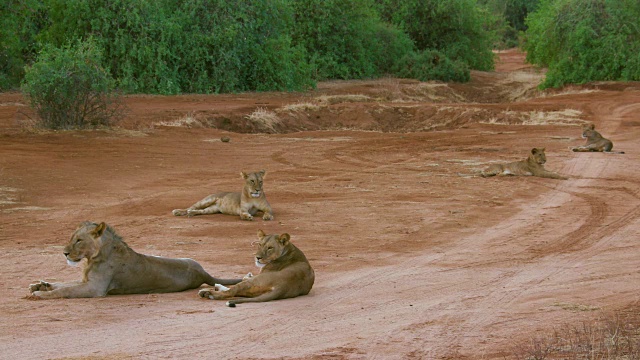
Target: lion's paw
[206,293]
[246,216]
[179,212]
[40,286]
[267,217]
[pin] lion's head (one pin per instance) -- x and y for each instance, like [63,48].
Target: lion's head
[589,131]
[84,243]
[270,247]
[253,182]
[538,156]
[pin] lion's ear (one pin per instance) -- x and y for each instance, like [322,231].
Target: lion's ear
[261,234]
[284,238]
[542,150]
[591,126]
[97,232]
[262,173]
[534,151]
[244,175]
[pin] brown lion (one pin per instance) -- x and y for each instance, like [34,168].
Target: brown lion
[595,141]
[284,273]
[531,166]
[114,268]
[246,203]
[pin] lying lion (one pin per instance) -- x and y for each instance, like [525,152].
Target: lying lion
[595,141]
[246,204]
[285,273]
[114,268]
[531,166]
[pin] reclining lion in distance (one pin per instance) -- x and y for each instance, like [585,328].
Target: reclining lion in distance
[284,273]
[114,268]
[246,203]
[595,141]
[531,166]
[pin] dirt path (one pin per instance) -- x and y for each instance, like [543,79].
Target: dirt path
[415,255]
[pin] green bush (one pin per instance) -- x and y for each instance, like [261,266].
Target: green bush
[68,88]
[192,46]
[431,65]
[20,22]
[345,39]
[456,28]
[585,40]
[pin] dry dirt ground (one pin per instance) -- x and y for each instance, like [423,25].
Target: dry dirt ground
[416,256]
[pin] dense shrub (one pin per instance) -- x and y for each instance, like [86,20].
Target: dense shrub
[431,65]
[345,39]
[585,40]
[203,46]
[20,22]
[456,28]
[68,88]
[216,46]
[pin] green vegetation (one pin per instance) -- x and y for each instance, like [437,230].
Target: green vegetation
[68,88]
[585,40]
[456,28]
[217,46]
[431,64]
[345,39]
[221,46]
[509,19]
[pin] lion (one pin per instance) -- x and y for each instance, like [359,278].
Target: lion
[531,166]
[284,273]
[114,268]
[246,203]
[595,141]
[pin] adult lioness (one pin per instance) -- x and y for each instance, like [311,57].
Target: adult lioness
[285,273]
[595,141]
[531,166]
[246,203]
[114,268]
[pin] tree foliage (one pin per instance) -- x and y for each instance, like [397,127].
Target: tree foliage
[346,39]
[456,28]
[585,40]
[20,23]
[509,20]
[214,46]
[168,47]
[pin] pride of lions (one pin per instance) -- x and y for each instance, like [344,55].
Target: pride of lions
[112,267]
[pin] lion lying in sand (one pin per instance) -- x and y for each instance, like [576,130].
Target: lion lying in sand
[285,273]
[246,203]
[114,268]
[595,141]
[531,166]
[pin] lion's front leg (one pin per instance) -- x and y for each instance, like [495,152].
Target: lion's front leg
[245,215]
[268,214]
[66,290]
